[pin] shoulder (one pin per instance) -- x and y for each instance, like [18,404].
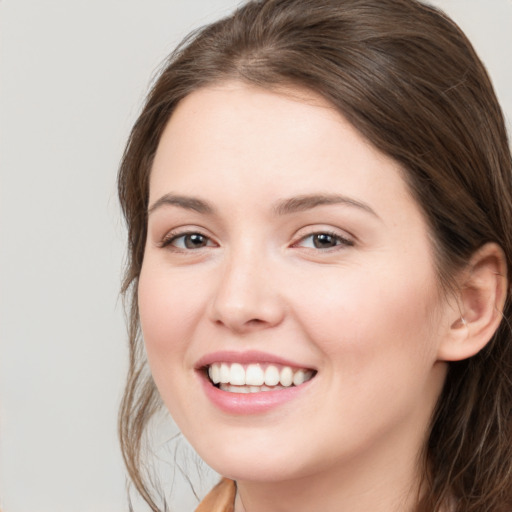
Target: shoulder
[220,499]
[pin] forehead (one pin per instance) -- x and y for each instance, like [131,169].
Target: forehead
[227,117]
[234,140]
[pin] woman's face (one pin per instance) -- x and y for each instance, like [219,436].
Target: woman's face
[282,247]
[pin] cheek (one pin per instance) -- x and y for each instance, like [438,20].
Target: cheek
[379,347]
[382,317]
[168,309]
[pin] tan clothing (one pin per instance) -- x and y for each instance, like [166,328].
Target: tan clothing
[220,499]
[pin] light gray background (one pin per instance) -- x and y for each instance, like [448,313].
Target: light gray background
[73,76]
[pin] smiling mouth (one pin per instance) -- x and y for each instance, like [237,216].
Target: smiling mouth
[255,378]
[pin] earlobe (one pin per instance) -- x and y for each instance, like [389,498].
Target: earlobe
[481,298]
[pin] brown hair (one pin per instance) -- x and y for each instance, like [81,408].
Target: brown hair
[408,79]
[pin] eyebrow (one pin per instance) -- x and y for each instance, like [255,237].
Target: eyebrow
[186,202]
[307,202]
[283,207]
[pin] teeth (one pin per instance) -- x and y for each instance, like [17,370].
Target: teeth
[254,375]
[299,377]
[247,389]
[237,375]
[271,376]
[214,373]
[224,373]
[253,378]
[286,378]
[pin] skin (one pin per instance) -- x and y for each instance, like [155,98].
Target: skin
[367,313]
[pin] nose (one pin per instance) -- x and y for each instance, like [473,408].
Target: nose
[247,298]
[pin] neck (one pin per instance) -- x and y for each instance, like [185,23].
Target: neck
[308,494]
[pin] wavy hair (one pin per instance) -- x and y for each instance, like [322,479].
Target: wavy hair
[406,77]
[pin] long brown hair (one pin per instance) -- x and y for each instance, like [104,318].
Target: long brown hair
[408,79]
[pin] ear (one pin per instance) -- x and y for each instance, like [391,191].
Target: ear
[481,299]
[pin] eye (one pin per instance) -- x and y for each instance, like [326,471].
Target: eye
[323,240]
[187,241]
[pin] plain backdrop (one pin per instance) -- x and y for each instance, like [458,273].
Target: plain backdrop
[73,76]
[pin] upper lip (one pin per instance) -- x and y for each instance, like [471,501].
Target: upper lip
[247,357]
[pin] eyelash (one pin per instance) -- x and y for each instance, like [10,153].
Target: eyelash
[172,237]
[340,240]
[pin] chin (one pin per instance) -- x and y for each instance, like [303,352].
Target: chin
[256,471]
[271,465]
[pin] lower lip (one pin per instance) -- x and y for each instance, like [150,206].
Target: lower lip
[251,403]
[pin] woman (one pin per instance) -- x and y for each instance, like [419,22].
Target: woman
[319,199]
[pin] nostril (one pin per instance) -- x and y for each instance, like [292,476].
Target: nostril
[239,321]
[245,298]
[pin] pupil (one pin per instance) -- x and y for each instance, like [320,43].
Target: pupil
[323,240]
[194,241]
